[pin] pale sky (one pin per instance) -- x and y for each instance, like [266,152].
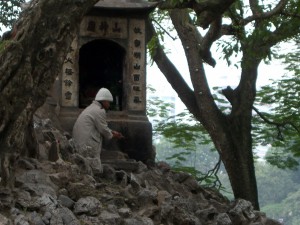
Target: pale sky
[222,75]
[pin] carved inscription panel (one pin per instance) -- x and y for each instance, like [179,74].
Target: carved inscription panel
[95,26]
[137,63]
[69,78]
[131,30]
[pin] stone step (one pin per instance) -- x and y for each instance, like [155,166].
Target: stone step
[120,161]
[112,155]
[126,165]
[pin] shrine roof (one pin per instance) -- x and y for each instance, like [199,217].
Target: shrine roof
[125,4]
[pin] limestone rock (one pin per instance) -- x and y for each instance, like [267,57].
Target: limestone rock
[88,205]
[66,191]
[4,220]
[110,218]
[138,221]
[66,201]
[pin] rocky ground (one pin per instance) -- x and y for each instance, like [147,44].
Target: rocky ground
[58,188]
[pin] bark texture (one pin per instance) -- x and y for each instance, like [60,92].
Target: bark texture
[29,63]
[206,10]
[231,133]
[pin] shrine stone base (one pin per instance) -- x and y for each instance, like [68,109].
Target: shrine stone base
[136,129]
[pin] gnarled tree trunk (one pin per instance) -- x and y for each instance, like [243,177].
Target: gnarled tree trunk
[231,133]
[29,64]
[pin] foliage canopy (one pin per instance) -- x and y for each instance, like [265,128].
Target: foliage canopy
[9,11]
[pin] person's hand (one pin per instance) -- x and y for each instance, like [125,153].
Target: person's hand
[117,134]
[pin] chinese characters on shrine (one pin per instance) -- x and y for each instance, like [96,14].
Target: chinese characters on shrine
[70,77]
[130,34]
[104,27]
[137,64]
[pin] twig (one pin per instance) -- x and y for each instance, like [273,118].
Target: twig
[258,16]
[173,38]
[277,124]
[213,172]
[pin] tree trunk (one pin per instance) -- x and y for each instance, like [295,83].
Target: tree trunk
[237,156]
[239,164]
[29,65]
[231,134]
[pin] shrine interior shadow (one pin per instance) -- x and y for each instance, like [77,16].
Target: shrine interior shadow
[101,64]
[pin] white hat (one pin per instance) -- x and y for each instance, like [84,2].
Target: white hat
[104,95]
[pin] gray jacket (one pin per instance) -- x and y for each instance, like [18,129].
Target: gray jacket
[89,130]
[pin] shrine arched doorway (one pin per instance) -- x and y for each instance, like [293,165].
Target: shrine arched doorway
[101,64]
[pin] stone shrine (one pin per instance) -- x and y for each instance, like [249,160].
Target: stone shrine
[110,51]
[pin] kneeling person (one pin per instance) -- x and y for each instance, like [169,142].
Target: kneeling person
[91,127]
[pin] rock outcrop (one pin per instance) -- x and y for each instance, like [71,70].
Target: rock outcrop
[59,188]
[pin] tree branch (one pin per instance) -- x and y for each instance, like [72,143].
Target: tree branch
[181,20]
[256,9]
[173,75]
[227,30]
[206,10]
[213,34]
[290,15]
[277,124]
[254,6]
[192,40]
[283,32]
[259,16]
[161,27]
[214,172]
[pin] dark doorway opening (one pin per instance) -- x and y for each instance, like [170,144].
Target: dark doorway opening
[101,64]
